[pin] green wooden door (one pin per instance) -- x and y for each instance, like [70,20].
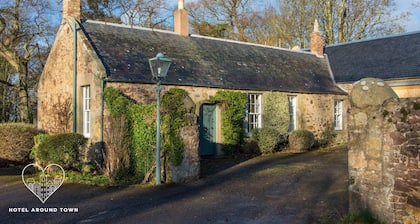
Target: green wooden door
[208,129]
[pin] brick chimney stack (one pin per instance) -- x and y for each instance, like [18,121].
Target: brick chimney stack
[181,20]
[317,41]
[71,8]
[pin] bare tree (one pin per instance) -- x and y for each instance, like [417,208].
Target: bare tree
[103,10]
[236,14]
[146,13]
[23,23]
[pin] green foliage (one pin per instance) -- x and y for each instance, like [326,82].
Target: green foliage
[301,139]
[276,111]
[62,149]
[267,138]
[327,136]
[363,217]
[86,178]
[141,130]
[232,118]
[115,100]
[143,124]
[16,141]
[173,120]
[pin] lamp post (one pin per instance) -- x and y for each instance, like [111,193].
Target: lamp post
[159,66]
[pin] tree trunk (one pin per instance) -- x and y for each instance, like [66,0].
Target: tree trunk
[342,19]
[24,112]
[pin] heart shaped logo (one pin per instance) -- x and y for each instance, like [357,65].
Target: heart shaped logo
[43,182]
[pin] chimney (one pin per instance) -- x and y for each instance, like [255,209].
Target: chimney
[181,20]
[71,8]
[317,41]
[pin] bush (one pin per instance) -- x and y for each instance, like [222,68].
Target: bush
[327,136]
[16,142]
[276,111]
[301,140]
[267,139]
[62,149]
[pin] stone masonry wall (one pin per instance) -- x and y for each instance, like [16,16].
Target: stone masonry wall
[315,111]
[384,155]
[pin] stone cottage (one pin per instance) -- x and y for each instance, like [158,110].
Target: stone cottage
[394,59]
[88,56]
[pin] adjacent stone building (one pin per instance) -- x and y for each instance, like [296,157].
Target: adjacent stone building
[394,59]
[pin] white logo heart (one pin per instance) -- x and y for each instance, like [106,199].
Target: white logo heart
[50,179]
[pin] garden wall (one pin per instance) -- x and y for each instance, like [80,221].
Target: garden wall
[384,154]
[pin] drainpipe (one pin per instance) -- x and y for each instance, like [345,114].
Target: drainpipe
[74,106]
[101,131]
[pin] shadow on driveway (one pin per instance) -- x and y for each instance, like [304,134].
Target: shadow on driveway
[280,188]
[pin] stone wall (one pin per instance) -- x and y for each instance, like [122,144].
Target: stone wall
[314,111]
[55,88]
[384,162]
[317,114]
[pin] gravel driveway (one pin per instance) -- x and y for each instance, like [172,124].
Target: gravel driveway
[280,188]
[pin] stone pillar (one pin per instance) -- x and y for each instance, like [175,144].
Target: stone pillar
[190,167]
[384,162]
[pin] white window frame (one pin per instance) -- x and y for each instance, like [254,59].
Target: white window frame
[338,115]
[86,111]
[292,112]
[254,115]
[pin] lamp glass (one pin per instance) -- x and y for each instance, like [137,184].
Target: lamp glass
[159,66]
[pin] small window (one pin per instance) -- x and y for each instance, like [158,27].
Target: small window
[254,112]
[338,115]
[86,111]
[292,113]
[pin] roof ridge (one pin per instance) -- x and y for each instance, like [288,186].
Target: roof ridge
[375,38]
[197,36]
[130,26]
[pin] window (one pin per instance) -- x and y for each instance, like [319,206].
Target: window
[254,112]
[86,111]
[338,115]
[292,112]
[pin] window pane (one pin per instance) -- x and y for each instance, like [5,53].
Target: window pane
[254,111]
[86,111]
[338,115]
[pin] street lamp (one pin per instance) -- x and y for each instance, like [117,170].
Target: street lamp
[159,66]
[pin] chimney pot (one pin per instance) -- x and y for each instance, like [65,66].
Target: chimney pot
[317,41]
[181,20]
[71,8]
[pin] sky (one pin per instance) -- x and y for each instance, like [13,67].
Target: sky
[408,6]
[413,24]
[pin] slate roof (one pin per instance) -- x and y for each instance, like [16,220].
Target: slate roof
[208,62]
[389,58]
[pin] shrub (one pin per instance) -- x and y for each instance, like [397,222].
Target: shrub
[301,140]
[327,136]
[62,149]
[276,111]
[16,142]
[267,139]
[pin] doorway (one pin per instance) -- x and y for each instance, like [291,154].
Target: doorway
[208,130]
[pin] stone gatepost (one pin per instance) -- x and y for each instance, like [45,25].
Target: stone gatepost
[190,167]
[384,162]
